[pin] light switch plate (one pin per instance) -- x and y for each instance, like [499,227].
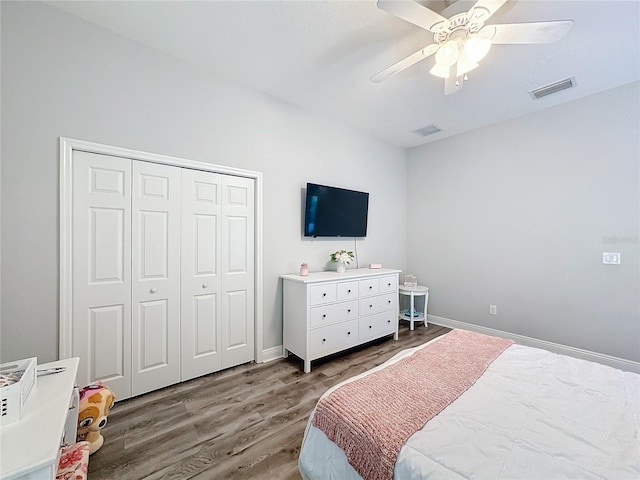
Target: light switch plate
[611,258]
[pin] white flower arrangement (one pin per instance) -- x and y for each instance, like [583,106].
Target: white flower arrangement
[342,256]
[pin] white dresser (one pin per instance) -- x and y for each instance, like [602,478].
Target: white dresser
[30,447]
[327,312]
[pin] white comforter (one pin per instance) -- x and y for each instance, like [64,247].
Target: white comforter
[532,415]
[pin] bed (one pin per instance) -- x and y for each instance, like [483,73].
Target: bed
[471,406]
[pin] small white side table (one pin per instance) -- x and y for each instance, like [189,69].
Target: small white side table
[415,316]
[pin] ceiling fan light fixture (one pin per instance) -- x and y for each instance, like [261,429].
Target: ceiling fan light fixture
[477,48]
[465,64]
[448,53]
[439,70]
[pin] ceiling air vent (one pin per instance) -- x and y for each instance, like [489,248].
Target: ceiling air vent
[428,130]
[552,88]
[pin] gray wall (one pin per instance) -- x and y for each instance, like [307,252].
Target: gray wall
[64,77]
[518,215]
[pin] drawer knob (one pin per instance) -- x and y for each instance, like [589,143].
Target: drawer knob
[388,321]
[324,315]
[349,291]
[348,333]
[370,287]
[370,327]
[205,285]
[370,306]
[153,290]
[349,310]
[388,301]
[388,284]
[324,340]
[324,294]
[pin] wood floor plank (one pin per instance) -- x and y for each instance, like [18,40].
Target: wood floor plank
[245,422]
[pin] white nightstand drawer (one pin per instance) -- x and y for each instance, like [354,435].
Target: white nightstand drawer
[369,286]
[388,283]
[377,304]
[347,290]
[333,337]
[376,325]
[325,293]
[334,313]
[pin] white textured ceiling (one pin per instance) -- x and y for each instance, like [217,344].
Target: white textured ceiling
[320,55]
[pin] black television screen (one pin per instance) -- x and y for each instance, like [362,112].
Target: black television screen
[335,212]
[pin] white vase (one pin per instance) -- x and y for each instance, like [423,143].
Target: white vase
[341,267]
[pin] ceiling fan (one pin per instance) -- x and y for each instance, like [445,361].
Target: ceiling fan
[463,39]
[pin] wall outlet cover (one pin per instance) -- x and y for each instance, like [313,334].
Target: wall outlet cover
[611,258]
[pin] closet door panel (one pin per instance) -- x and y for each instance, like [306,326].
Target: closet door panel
[201,279]
[101,271]
[156,204]
[238,331]
[205,321]
[107,342]
[153,351]
[238,270]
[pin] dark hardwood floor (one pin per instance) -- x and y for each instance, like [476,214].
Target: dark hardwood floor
[246,422]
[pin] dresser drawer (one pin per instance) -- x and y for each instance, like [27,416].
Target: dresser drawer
[347,290]
[377,325]
[379,303]
[388,283]
[333,313]
[325,293]
[369,286]
[331,337]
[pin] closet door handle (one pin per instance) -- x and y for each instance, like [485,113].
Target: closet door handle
[205,285]
[153,290]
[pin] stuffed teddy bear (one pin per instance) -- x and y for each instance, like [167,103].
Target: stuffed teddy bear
[95,402]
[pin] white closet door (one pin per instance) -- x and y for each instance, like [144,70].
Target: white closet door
[238,259]
[155,272]
[200,264]
[101,327]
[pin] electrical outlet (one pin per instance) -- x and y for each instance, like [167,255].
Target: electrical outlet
[611,258]
[493,309]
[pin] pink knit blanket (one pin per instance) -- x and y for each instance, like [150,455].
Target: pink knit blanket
[372,417]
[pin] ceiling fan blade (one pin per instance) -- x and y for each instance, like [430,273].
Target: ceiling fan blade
[535,32]
[452,85]
[414,13]
[406,63]
[486,8]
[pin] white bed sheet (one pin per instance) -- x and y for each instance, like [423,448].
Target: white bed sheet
[532,415]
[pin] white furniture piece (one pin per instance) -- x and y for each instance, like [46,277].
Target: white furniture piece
[412,293]
[163,272]
[30,447]
[327,312]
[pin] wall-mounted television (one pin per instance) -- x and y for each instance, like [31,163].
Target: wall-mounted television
[335,212]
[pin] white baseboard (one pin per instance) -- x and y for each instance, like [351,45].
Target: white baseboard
[620,363]
[273,353]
